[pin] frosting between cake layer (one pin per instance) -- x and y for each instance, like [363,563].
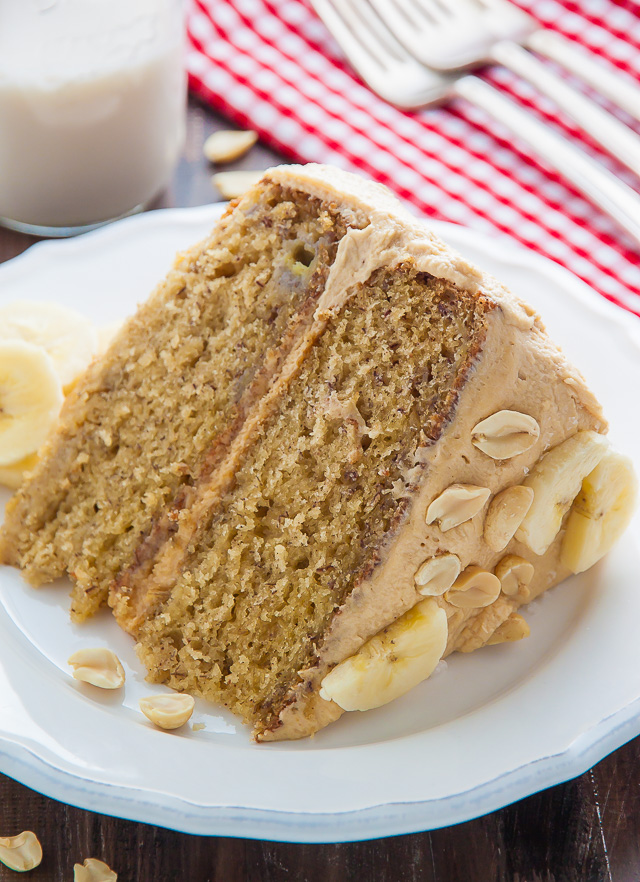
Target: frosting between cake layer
[385,234]
[389,235]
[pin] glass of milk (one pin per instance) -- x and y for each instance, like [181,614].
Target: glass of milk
[92,109]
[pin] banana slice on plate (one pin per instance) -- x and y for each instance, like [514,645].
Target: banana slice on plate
[68,337]
[13,475]
[30,399]
[106,335]
[600,513]
[392,662]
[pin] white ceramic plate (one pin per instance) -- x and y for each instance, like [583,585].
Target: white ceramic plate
[487,729]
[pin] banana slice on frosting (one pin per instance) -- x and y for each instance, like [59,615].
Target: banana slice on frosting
[68,337]
[600,513]
[30,399]
[392,662]
[556,480]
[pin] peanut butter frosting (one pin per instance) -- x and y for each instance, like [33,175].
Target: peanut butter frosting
[389,234]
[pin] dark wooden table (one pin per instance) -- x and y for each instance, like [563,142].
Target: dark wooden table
[587,830]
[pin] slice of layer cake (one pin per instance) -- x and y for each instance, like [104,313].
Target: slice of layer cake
[326,453]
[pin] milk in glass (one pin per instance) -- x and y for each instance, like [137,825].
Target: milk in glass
[92,107]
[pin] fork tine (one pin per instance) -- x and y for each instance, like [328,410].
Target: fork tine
[364,13]
[399,17]
[366,43]
[436,11]
[447,10]
[382,62]
[411,10]
[342,25]
[489,30]
[408,84]
[408,20]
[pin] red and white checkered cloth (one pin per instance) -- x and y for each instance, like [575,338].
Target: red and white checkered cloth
[271,65]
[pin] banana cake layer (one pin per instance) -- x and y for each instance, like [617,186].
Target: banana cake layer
[150,420]
[383,457]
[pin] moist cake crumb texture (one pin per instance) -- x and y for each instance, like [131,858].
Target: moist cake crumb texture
[317,496]
[247,475]
[141,424]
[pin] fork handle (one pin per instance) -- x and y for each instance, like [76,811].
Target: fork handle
[619,140]
[616,199]
[614,86]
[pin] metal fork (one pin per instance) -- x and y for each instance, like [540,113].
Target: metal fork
[386,66]
[468,29]
[452,33]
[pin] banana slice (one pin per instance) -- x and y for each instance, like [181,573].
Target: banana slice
[601,512]
[12,476]
[70,339]
[392,662]
[30,399]
[555,480]
[106,335]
